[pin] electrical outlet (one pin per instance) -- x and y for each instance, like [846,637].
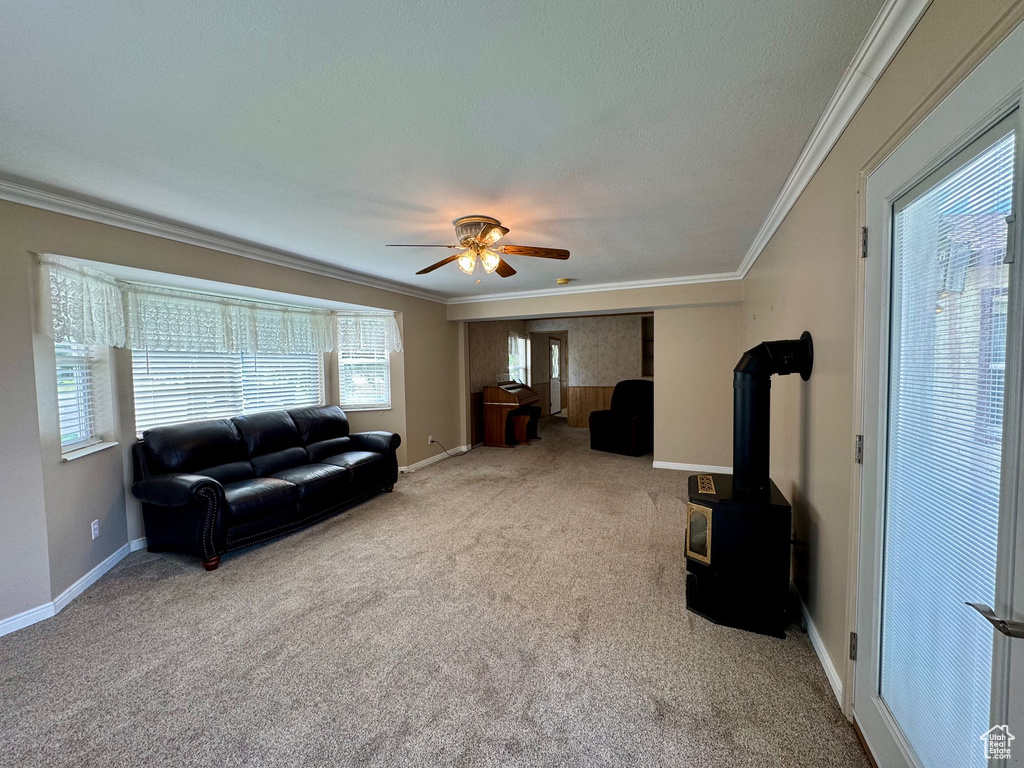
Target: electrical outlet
[95,529]
[430,439]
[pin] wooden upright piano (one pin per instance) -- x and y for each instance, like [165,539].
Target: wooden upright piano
[503,402]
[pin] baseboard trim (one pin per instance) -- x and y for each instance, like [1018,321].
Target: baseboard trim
[47,610]
[26,618]
[136,544]
[456,451]
[69,594]
[834,678]
[692,467]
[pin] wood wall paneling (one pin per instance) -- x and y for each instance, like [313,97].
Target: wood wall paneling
[583,400]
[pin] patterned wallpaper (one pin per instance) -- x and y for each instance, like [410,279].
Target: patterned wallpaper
[488,351]
[602,350]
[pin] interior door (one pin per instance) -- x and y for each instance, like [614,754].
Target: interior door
[555,350]
[935,683]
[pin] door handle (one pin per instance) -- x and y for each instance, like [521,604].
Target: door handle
[1008,628]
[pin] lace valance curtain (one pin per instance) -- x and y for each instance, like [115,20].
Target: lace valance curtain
[368,332]
[90,307]
[161,319]
[84,306]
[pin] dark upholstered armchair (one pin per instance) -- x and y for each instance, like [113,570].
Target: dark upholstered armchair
[628,427]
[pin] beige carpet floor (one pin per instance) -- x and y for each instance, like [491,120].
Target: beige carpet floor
[502,608]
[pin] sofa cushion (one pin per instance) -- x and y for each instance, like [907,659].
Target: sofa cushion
[259,497]
[321,422]
[234,472]
[320,450]
[272,463]
[192,446]
[368,468]
[318,480]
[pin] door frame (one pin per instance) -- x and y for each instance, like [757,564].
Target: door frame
[984,98]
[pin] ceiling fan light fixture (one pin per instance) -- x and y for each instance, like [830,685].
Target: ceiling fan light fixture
[467,262]
[478,235]
[491,234]
[490,261]
[469,228]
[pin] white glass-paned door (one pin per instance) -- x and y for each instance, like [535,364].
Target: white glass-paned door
[945,421]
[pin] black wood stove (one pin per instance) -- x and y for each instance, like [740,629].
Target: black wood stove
[739,526]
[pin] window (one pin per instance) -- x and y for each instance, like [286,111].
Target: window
[364,362]
[172,387]
[517,358]
[76,395]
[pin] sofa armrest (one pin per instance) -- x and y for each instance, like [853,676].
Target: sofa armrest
[175,490]
[601,417]
[378,442]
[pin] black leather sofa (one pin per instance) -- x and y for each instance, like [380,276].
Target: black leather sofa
[628,427]
[208,487]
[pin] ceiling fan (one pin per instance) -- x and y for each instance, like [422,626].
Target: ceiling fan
[478,234]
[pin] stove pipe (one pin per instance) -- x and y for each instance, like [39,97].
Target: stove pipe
[751,406]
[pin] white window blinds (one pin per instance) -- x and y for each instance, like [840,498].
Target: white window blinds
[76,395]
[173,387]
[949,289]
[365,343]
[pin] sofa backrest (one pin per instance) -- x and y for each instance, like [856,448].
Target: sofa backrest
[323,430]
[272,441]
[255,445]
[212,447]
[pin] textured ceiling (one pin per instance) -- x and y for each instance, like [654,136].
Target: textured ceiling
[650,139]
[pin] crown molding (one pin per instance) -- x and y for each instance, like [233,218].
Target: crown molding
[717,277]
[891,27]
[106,214]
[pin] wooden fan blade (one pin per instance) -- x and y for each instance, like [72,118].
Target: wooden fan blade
[529,250]
[418,245]
[440,263]
[503,269]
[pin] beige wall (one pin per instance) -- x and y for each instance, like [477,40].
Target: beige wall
[24,555]
[48,504]
[807,278]
[695,349]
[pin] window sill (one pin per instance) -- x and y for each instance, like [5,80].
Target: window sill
[78,453]
[353,408]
